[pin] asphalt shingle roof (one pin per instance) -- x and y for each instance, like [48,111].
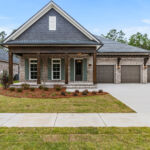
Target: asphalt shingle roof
[111,46]
[4,56]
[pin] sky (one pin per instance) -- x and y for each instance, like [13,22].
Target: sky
[98,16]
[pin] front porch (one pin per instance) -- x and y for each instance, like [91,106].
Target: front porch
[69,67]
[69,86]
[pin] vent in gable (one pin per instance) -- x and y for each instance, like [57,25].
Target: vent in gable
[52,23]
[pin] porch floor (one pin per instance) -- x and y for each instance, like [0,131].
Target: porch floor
[71,86]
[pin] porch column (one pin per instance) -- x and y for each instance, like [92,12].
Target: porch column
[94,68]
[66,69]
[38,69]
[10,67]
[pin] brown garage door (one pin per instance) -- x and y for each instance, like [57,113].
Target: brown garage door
[130,74]
[148,74]
[105,74]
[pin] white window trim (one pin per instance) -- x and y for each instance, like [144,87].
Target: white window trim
[52,25]
[30,69]
[52,68]
[75,68]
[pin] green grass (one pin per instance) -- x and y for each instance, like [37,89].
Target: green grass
[74,138]
[91,104]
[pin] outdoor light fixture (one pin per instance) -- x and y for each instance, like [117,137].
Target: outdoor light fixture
[145,67]
[118,67]
[79,54]
[79,61]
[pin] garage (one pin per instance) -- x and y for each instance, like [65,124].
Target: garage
[130,74]
[148,74]
[105,73]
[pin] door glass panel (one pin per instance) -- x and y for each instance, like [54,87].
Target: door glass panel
[78,70]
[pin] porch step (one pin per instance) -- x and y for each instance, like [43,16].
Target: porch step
[81,87]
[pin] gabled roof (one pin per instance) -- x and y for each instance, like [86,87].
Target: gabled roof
[41,13]
[111,46]
[4,56]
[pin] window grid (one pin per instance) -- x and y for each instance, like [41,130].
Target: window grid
[56,65]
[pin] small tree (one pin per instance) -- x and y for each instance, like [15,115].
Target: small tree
[115,35]
[5,80]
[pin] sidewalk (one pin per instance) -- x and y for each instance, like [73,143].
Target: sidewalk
[74,120]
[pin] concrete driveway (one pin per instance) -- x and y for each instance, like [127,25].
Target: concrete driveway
[136,96]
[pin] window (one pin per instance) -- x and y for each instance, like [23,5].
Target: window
[56,71]
[52,23]
[33,69]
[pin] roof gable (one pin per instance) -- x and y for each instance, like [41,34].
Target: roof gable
[64,30]
[41,13]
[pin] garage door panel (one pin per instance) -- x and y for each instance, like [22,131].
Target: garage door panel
[105,74]
[130,74]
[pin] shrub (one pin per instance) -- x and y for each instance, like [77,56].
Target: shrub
[63,93]
[85,92]
[100,91]
[19,90]
[45,89]
[32,89]
[77,91]
[57,87]
[5,80]
[41,87]
[94,92]
[68,93]
[12,89]
[25,86]
[54,94]
[75,94]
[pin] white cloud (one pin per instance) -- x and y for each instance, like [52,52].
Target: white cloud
[4,18]
[147,21]
[7,29]
[132,30]
[95,31]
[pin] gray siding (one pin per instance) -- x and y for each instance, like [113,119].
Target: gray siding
[64,30]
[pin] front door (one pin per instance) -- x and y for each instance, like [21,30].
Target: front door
[78,70]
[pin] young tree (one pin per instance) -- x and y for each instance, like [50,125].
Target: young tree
[2,37]
[115,35]
[140,40]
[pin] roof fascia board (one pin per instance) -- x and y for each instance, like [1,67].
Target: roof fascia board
[43,12]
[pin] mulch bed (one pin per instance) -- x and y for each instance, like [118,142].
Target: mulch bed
[41,93]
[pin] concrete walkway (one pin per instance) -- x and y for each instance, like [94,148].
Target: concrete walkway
[75,120]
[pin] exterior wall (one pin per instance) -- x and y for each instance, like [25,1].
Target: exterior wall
[44,73]
[124,61]
[64,30]
[4,66]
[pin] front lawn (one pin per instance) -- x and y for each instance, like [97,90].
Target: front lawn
[90,104]
[74,138]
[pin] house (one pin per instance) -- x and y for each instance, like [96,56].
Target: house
[4,62]
[55,49]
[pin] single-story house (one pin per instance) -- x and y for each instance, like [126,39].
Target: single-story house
[56,49]
[4,62]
